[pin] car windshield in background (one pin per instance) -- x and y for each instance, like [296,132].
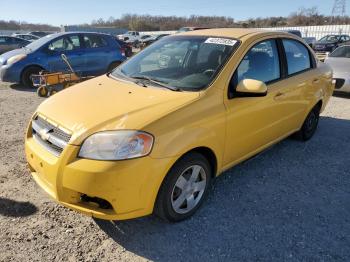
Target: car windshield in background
[343,51]
[329,38]
[41,41]
[187,63]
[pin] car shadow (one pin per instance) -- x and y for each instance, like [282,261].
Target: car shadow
[12,208]
[20,87]
[289,203]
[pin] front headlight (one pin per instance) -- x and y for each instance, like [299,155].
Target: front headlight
[117,145]
[15,59]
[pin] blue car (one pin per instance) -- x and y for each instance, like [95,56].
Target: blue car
[90,54]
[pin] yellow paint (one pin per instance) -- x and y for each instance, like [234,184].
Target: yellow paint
[233,129]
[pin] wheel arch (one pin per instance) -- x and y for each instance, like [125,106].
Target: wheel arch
[30,65]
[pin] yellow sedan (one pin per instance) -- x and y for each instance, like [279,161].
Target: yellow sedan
[150,136]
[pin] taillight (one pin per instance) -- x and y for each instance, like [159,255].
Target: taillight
[122,50]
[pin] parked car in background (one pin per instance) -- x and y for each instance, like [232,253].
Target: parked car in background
[130,36]
[27,37]
[40,33]
[310,41]
[190,28]
[150,138]
[151,39]
[90,54]
[8,43]
[126,48]
[294,32]
[339,60]
[328,43]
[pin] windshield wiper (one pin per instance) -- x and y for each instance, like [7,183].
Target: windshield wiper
[154,81]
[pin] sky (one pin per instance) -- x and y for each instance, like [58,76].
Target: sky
[66,12]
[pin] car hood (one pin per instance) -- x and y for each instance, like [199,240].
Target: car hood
[339,64]
[104,103]
[5,56]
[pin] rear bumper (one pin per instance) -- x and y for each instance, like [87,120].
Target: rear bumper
[130,186]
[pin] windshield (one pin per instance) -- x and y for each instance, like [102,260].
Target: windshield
[343,51]
[329,38]
[183,62]
[40,42]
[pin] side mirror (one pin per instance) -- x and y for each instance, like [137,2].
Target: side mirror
[251,88]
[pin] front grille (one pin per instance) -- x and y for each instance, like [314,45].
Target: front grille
[49,136]
[339,82]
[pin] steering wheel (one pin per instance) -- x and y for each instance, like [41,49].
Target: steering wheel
[208,72]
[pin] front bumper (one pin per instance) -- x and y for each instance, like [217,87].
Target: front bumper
[9,73]
[130,186]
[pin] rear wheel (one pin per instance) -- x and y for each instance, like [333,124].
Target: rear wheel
[184,188]
[310,124]
[27,74]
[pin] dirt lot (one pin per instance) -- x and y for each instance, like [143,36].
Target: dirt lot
[291,203]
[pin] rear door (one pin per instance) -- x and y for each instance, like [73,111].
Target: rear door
[97,54]
[70,45]
[300,83]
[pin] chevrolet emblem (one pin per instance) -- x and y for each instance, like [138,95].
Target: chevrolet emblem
[45,134]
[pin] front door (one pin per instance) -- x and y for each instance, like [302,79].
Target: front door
[70,46]
[253,122]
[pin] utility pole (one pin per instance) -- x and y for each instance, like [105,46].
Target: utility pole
[339,8]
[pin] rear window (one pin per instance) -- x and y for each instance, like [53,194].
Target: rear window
[298,57]
[94,41]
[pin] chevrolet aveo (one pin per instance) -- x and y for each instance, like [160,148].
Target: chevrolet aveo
[150,136]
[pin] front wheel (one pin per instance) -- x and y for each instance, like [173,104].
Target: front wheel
[184,188]
[310,124]
[26,77]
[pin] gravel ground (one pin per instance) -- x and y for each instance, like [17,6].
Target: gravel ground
[290,203]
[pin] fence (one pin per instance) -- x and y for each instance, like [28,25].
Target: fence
[306,31]
[316,31]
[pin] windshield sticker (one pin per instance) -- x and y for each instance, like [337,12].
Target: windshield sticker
[221,41]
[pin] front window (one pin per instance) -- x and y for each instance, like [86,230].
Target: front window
[183,62]
[343,51]
[260,63]
[66,43]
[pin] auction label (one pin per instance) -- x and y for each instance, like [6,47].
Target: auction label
[221,41]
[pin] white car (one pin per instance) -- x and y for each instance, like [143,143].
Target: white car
[130,36]
[339,60]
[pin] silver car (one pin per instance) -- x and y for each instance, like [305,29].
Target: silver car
[339,60]
[8,43]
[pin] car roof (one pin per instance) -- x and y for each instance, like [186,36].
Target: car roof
[78,32]
[237,33]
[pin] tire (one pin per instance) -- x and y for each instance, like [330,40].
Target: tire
[310,124]
[42,91]
[52,92]
[113,65]
[27,73]
[182,192]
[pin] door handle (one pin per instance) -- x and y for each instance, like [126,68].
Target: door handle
[316,81]
[279,95]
